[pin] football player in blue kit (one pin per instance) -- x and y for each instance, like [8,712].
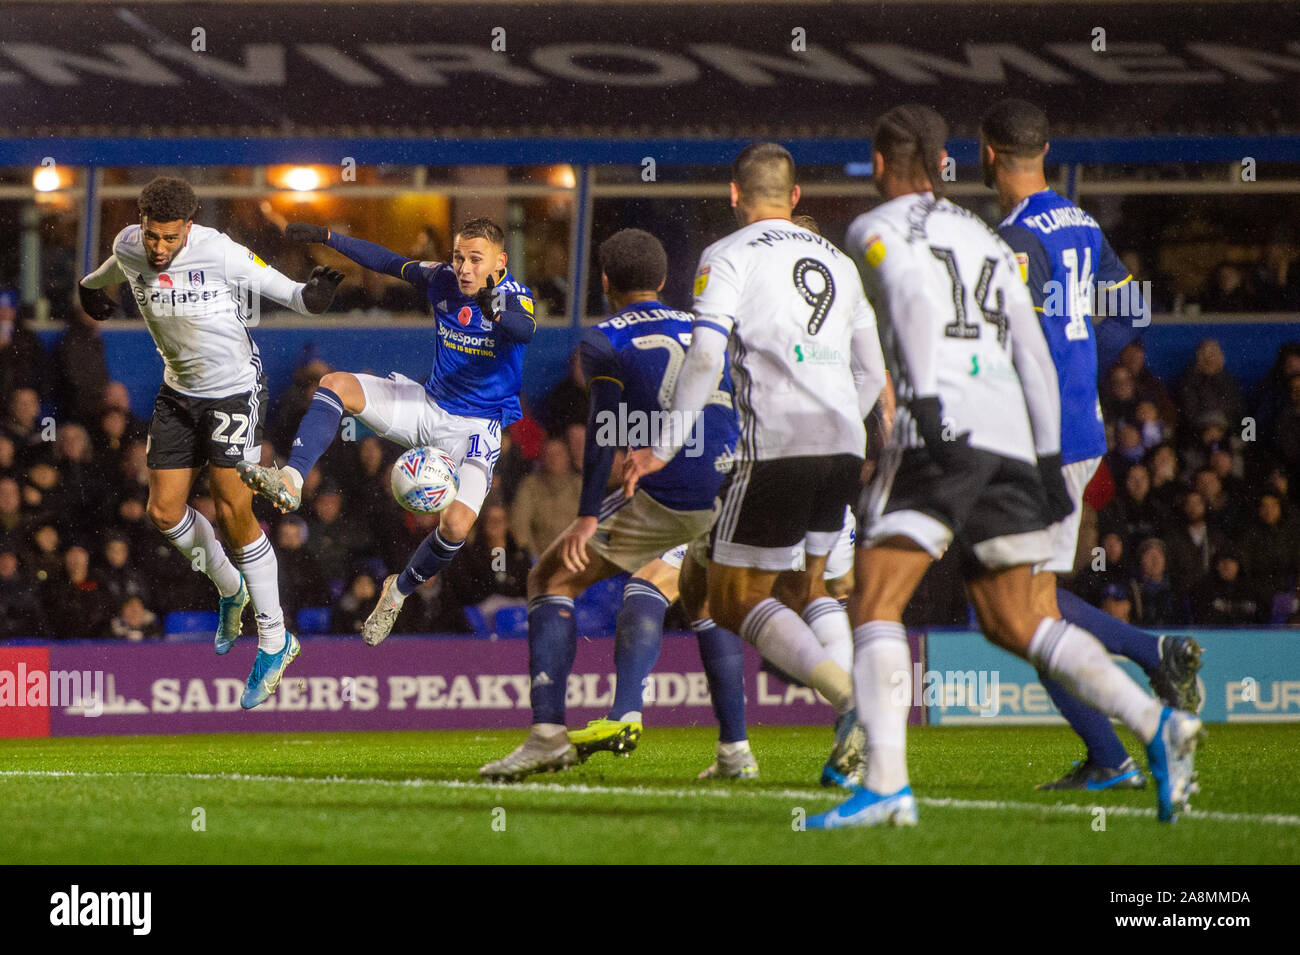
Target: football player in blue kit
[484,318]
[631,362]
[1070,267]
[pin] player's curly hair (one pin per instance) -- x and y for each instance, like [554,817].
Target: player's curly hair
[1016,127]
[634,261]
[482,228]
[166,199]
[911,137]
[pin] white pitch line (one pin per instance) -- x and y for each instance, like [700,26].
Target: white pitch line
[739,791]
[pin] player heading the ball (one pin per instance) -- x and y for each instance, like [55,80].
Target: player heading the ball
[198,290]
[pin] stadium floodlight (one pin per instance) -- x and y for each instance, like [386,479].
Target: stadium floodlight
[302,179]
[46,179]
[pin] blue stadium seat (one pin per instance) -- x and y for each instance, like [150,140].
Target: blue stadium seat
[477,621]
[191,621]
[314,620]
[511,623]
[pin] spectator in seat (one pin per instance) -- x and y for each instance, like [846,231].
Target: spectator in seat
[1277,279]
[1102,570]
[1220,511]
[24,363]
[350,611]
[1228,291]
[1286,433]
[13,522]
[1118,394]
[1223,599]
[21,613]
[491,570]
[23,426]
[301,582]
[334,538]
[74,602]
[117,577]
[135,622]
[568,402]
[1208,389]
[1146,386]
[1132,513]
[547,501]
[1158,603]
[44,559]
[1191,543]
[80,372]
[1162,465]
[1270,549]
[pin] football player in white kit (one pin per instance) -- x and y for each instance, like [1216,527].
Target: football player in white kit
[198,291]
[975,458]
[788,308]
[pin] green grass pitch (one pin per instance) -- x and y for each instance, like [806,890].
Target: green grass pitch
[415,797]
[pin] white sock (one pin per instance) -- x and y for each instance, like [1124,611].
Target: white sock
[196,538]
[882,683]
[780,635]
[732,749]
[262,573]
[631,716]
[830,624]
[1076,659]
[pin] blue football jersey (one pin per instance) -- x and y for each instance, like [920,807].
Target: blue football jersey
[477,368]
[1066,261]
[642,348]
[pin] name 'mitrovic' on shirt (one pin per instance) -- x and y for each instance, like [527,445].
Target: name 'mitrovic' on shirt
[793,307]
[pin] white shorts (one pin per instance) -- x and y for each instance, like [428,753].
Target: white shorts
[1065,532]
[399,409]
[633,533]
[840,561]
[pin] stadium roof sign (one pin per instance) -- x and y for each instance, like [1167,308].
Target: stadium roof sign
[639,70]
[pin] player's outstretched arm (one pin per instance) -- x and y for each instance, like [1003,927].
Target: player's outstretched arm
[368,254]
[95,301]
[247,272]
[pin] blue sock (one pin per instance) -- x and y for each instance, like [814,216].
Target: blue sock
[724,664]
[1115,635]
[316,430]
[552,645]
[1093,727]
[431,556]
[637,639]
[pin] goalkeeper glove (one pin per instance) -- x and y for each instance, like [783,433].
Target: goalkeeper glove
[1059,503]
[306,232]
[320,288]
[96,302]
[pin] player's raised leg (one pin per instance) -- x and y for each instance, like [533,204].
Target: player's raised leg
[1075,657]
[252,553]
[339,393]
[194,536]
[552,645]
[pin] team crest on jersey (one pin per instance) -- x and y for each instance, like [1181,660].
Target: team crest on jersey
[702,280]
[1022,263]
[164,280]
[196,277]
[526,304]
[254,256]
[465,315]
[873,250]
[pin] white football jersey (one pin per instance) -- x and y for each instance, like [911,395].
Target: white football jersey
[793,307]
[961,324]
[199,308]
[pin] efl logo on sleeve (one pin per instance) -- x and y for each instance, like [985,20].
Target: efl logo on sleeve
[702,281]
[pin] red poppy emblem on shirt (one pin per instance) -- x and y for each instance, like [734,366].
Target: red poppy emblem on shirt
[464,315]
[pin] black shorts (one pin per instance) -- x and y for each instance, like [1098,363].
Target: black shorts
[189,432]
[772,511]
[995,508]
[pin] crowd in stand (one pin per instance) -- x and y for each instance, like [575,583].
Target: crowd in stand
[1192,517]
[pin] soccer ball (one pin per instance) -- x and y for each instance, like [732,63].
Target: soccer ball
[425,480]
